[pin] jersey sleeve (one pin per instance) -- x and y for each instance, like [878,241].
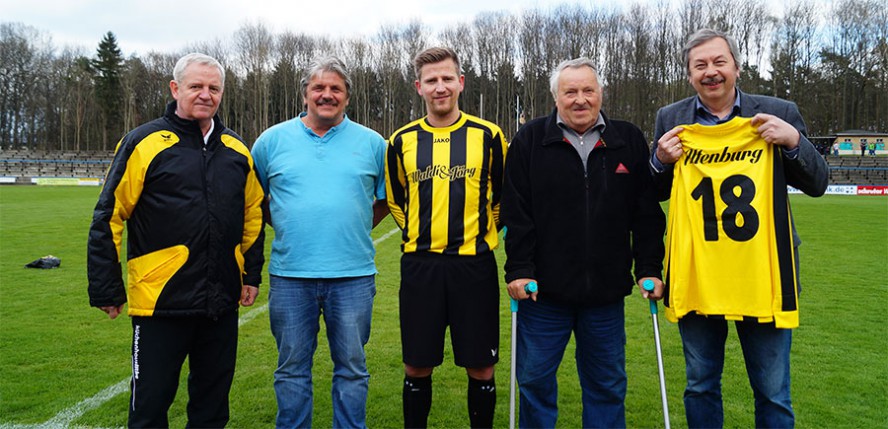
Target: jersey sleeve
[121,191]
[396,182]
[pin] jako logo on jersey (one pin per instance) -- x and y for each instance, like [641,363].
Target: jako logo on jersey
[441,140]
[697,156]
[441,171]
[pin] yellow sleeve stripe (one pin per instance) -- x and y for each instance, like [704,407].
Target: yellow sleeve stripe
[128,190]
[253,195]
[395,184]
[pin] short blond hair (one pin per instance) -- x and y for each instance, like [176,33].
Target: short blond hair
[432,56]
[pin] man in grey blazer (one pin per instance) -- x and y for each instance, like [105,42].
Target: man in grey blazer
[712,62]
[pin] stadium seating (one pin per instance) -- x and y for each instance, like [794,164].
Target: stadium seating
[857,170]
[25,164]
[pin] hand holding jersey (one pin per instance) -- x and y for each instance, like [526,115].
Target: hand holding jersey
[772,129]
[776,131]
[669,147]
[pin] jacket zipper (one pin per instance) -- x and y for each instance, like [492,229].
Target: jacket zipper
[588,213]
[589,207]
[604,166]
[209,238]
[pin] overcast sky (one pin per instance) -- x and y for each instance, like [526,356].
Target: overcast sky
[169,25]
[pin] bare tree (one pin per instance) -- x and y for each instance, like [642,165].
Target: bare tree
[286,96]
[575,32]
[461,38]
[852,56]
[396,48]
[794,49]
[494,46]
[413,39]
[880,101]
[692,17]
[390,65]
[254,44]
[753,25]
[18,53]
[361,60]
[834,71]
[668,70]
[533,68]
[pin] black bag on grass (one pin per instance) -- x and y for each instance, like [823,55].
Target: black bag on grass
[45,262]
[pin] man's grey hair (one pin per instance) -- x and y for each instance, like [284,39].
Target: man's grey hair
[704,35]
[326,64]
[574,64]
[196,58]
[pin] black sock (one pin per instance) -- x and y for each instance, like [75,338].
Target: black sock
[482,401]
[417,398]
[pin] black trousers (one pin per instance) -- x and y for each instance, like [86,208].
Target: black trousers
[160,345]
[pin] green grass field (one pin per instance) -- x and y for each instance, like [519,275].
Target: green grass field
[62,363]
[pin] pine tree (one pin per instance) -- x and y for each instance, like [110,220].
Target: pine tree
[109,93]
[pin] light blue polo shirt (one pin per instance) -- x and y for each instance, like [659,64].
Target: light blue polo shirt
[322,191]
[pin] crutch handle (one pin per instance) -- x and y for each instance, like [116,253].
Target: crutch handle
[648,285]
[529,288]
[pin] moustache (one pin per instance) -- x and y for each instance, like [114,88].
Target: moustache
[711,80]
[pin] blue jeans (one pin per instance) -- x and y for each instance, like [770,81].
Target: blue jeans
[766,352]
[295,307]
[543,333]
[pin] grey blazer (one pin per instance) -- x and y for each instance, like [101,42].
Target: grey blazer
[808,173]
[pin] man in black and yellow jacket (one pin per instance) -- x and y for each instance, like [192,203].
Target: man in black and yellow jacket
[186,187]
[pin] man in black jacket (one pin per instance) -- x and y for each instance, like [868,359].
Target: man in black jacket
[186,188]
[580,207]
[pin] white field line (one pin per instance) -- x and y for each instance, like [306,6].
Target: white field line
[386,235]
[66,416]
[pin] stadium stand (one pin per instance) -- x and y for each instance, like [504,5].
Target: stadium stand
[20,166]
[24,165]
[857,170]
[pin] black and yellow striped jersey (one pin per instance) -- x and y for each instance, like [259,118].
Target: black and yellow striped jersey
[443,185]
[729,242]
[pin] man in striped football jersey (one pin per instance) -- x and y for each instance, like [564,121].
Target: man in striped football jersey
[443,181]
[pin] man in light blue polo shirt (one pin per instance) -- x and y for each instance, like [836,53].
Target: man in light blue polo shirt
[324,176]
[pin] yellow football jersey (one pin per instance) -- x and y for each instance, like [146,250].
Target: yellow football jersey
[729,245]
[443,185]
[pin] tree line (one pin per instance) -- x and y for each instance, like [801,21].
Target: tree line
[832,60]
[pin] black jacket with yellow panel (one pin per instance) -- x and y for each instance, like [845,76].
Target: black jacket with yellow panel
[193,215]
